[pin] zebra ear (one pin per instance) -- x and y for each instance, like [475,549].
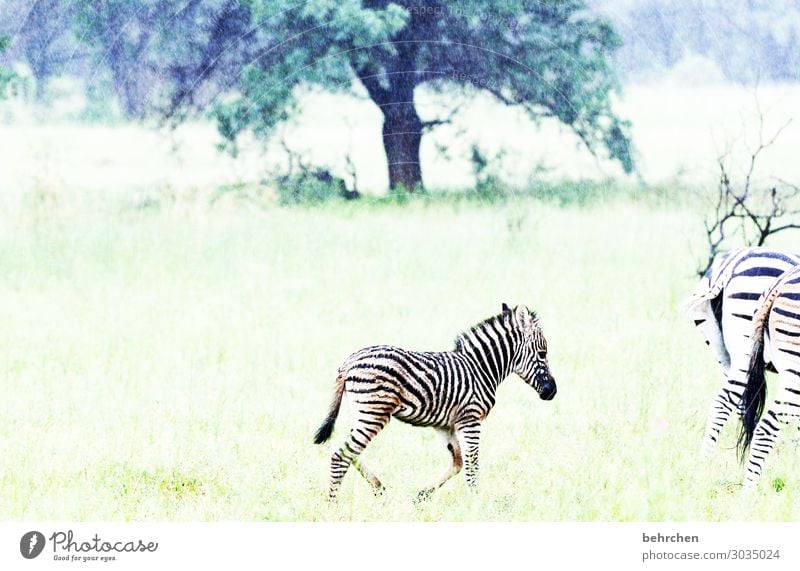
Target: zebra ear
[506,309]
[523,318]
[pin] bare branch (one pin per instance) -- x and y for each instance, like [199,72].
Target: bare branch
[447,120]
[755,213]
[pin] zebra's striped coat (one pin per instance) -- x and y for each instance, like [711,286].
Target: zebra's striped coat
[722,307]
[451,391]
[776,339]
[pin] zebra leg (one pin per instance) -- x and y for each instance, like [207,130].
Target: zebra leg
[469,434]
[783,410]
[725,402]
[369,476]
[455,467]
[364,430]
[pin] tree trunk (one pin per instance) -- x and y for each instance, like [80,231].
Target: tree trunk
[41,84]
[402,134]
[123,81]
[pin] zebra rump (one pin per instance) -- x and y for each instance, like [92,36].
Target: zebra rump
[723,306]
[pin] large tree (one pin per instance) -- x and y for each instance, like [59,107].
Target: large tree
[121,31]
[549,57]
[144,43]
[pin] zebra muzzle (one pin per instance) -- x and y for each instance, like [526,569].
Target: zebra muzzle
[548,390]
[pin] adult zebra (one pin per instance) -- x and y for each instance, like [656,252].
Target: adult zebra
[776,339]
[722,307]
[450,391]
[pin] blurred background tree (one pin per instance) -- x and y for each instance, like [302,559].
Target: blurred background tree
[159,52]
[746,40]
[42,33]
[6,76]
[120,35]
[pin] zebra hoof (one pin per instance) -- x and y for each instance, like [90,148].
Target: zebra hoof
[748,489]
[378,491]
[706,452]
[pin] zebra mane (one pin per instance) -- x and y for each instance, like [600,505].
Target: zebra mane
[504,319]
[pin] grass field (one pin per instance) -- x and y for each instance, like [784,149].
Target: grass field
[173,363]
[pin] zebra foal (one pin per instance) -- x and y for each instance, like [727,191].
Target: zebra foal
[451,391]
[776,339]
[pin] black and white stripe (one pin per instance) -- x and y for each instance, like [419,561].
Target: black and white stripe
[776,339]
[451,391]
[722,307]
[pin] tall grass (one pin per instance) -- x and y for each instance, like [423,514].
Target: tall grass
[173,363]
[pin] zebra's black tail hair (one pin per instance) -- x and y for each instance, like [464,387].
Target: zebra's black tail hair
[754,396]
[326,429]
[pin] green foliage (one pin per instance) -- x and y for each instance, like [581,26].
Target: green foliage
[99,108]
[488,185]
[400,196]
[230,118]
[6,76]
[577,193]
[305,189]
[134,43]
[560,193]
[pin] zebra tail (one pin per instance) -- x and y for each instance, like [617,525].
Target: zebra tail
[754,396]
[326,429]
